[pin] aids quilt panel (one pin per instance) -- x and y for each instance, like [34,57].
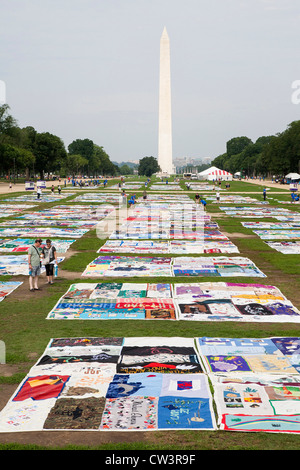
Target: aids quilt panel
[204,301]
[121,266]
[113,384]
[223,301]
[256,382]
[109,301]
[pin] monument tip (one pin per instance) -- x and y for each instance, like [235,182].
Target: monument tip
[165,33]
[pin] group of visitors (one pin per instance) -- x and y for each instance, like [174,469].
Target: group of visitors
[38,257]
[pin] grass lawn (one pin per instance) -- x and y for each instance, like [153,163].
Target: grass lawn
[26,332]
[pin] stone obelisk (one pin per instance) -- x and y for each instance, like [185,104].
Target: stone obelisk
[165,158]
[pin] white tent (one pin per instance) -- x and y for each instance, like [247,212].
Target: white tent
[214,173]
[293,176]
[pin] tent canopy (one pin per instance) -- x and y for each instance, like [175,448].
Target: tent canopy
[214,173]
[293,176]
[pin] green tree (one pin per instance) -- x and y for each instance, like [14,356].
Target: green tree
[237,145]
[148,166]
[126,170]
[76,164]
[281,154]
[50,153]
[219,161]
[83,147]
[8,157]
[8,124]
[25,160]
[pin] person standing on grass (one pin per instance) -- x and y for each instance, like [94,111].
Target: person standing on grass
[39,192]
[265,193]
[34,263]
[49,259]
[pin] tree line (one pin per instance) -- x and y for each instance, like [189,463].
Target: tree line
[269,155]
[24,150]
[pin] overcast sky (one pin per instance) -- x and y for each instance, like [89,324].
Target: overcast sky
[90,69]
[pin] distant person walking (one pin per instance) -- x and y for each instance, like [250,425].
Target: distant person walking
[39,192]
[265,193]
[218,196]
[34,262]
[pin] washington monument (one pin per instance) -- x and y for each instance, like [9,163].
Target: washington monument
[165,159]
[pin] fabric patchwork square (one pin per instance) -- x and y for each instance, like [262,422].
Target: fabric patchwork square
[227,364]
[41,387]
[75,413]
[184,412]
[260,423]
[133,413]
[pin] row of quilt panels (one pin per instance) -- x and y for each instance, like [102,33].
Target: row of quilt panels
[234,199]
[279,231]
[173,211]
[130,246]
[134,186]
[21,245]
[164,232]
[165,198]
[206,301]
[76,220]
[44,197]
[160,383]
[205,187]
[8,210]
[72,212]
[129,266]
[167,221]
[169,247]
[99,198]
[15,265]
[261,212]
[286,247]
[155,204]
[46,223]
[165,187]
[42,232]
